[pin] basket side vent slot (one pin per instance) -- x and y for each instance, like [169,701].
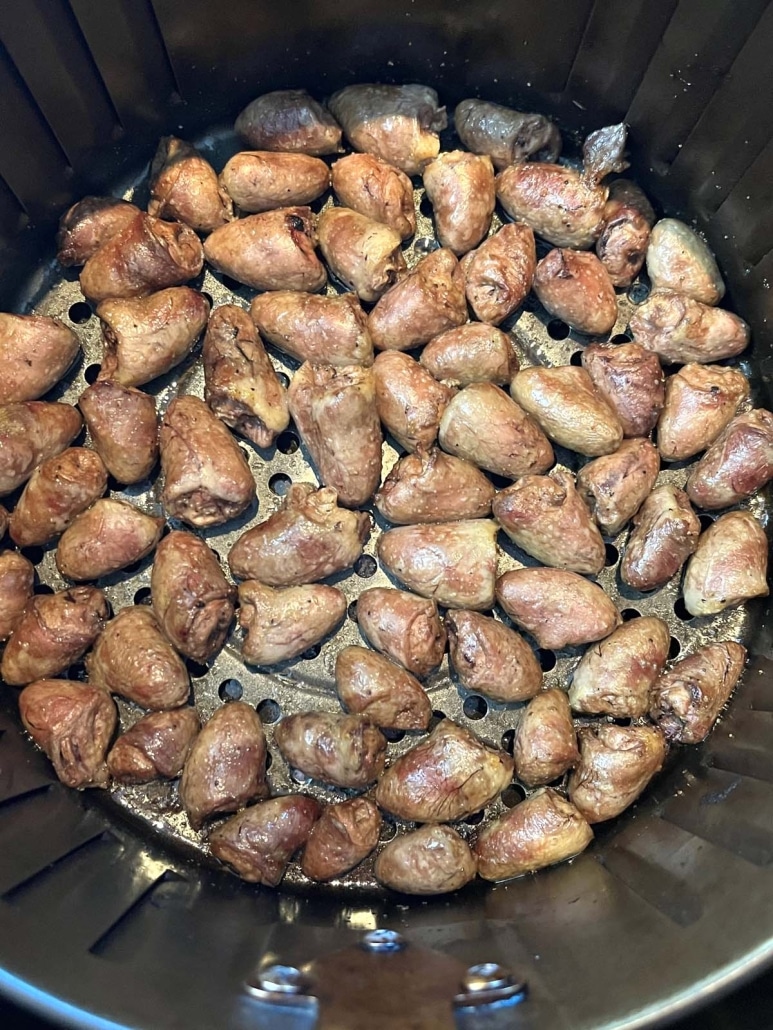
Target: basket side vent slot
[655,885]
[736,827]
[40,829]
[51,55]
[137,73]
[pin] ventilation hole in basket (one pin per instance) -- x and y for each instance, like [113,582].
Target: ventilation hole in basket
[287,443]
[513,796]
[79,313]
[134,567]
[365,566]
[33,553]
[612,555]
[547,659]
[393,736]
[508,741]
[426,206]
[318,204]
[530,303]
[388,832]
[269,710]
[230,284]
[437,716]
[680,610]
[279,483]
[208,298]
[630,613]
[283,378]
[142,596]
[706,521]
[621,338]
[246,452]
[230,690]
[196,669]
[77,672]
[623,722]
[269,760]
[216,554]
[425,244]
[91,373]
[557,329]
[675,648]
[351,611]
[500,482]
[475,818]
[576,358]
[475,706]
[311,653]
[44,588]
[638,293]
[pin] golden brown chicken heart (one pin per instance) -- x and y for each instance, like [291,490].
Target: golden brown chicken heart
[445,777]
[540,831]
[123,426]
[335,412]
[146,255]
[73,723]
[282,624]
[184,186]
[259,842]
[207,480]
[31,433]
[54,631]
[399,124]
[309,538]
[270,251]
[192,599]
[259,180]
[156,746]
[133,658]
[35,352]
[431,860]
[291,120]
[226,765]
[687,698]
[240,384]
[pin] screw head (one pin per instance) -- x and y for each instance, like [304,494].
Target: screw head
[282,979]
[487,976]
[383,940]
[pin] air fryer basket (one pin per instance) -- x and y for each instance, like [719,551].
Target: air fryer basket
[101,919]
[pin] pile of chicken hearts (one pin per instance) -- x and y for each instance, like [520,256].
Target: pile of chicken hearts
[458,410]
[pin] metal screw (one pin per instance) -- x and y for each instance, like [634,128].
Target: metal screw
[487,976]
[282,980]
[487,983]
[383,940]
